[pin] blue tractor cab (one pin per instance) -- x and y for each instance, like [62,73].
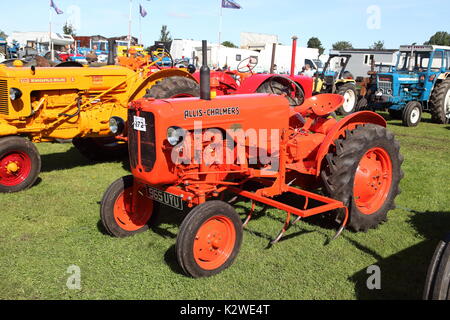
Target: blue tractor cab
[420,81]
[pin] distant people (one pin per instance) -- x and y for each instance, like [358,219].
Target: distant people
[275,68]
[309,72]
[92,57]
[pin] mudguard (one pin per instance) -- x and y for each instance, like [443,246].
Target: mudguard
[251,84]
[358,118]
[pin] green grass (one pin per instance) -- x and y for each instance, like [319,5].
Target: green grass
[56,224]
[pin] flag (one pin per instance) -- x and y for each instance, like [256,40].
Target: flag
[230,4]
[57,10]
[142,11]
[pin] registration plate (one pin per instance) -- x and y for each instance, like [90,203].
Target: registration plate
[139,124]
[166,198]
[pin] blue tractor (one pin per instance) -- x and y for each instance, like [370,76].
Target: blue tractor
[420,81]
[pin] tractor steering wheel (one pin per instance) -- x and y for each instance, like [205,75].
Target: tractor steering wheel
[252,62]
[161,55]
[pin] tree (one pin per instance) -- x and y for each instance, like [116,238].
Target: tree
[440,38]
[165,35]
[316,44]
[378,45]
[3,34]
[69,29]
[342,45]
[229,44]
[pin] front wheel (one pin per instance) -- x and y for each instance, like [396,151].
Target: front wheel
[364,172]
[412,114]
[348,91]
[20,164]
[209,240]
[119,215]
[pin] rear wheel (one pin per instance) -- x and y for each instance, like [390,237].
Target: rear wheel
[412,114]
[348,91]
[116,210]
[440,103]
[283,86]
[174,87]
[101,149]
[364,172]
[209,240]
[437,285]
[20,164]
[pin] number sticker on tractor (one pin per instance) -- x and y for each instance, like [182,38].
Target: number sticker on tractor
[166,198]
[139,124]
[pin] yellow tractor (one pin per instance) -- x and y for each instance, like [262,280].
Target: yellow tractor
[340,82]
[47,104]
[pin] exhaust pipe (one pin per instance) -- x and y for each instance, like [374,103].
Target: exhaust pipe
[294,54]
[112,52]
[205,74]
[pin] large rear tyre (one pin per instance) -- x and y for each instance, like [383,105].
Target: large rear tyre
[101,149]
[437,285]
[364,172]
[116,209]
[20,164]
[412,114]
[440,103]
[348,91]
[174,87]
[209,240]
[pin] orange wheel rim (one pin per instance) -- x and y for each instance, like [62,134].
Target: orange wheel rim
[373,180]
[123,215]
[214,242]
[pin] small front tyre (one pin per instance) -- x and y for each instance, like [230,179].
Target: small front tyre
[209,240]
[348,91]
[116,210]
[20,164]
[412,114]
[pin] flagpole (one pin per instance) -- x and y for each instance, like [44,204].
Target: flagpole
[140,29]
[129,24]
[220,32]
[50,41]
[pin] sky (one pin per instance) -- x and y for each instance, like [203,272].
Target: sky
[361,22]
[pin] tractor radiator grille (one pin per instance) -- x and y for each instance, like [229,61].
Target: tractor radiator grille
[4,97]
[148,147]
[386,86]
[147,141]
[132,140]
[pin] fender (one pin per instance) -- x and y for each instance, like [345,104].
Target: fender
[251,84]
[351,121]
[306,83]
[153,78]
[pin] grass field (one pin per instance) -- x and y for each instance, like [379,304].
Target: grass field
[56,224]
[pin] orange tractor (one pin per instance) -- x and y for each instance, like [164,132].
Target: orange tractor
[195,152]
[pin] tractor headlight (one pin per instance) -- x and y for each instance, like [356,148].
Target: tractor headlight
[116,125]
[175,135]
[15,94]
